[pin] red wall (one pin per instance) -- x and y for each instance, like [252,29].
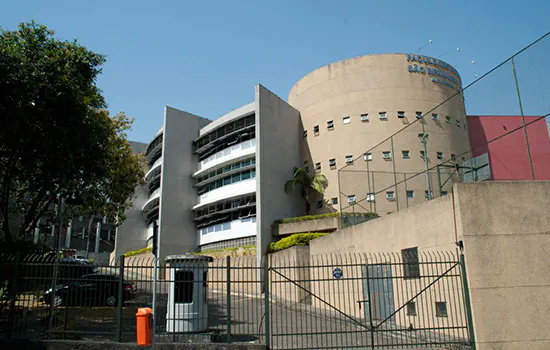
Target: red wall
[508,155]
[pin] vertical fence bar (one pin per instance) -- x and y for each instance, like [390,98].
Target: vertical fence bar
[396,193]
[13,296]
[468,303]
[120,300]
[228,287]
[370,306]
[523,120]
[266,300]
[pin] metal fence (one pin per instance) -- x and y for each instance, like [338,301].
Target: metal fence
[390,301]
[382,180]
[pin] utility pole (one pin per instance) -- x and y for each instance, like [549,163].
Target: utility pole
[424,140]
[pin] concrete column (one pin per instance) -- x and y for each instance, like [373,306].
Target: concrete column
[37,232]
[53,230]
[97,236]
[69,234]
[109,236]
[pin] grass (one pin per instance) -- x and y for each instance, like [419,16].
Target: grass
[244,250]
[322,216]
[137,252]
[298,239]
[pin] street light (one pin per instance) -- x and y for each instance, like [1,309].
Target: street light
[423,136]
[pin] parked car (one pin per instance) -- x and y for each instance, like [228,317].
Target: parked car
[91,290]
[81,258]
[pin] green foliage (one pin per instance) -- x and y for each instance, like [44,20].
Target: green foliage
[306,182]
[56,138]
[249,249]
[322,216]
[137,252]
[298,239]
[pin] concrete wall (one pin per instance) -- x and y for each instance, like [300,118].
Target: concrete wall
[177,231]
[318,225]
[277,153]
[506,230]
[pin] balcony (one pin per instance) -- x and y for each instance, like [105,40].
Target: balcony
[240,188]
[154,199]
[227,155]
[244,227]
[154,169]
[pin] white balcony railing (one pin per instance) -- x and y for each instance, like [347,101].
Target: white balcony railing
[232,152]
[228,191]
[153,168]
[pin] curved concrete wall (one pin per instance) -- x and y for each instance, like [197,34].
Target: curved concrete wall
[369,85]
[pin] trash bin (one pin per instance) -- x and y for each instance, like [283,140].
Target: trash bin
[144,320]
[187,309]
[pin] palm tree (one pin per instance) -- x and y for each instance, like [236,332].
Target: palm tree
[306,182]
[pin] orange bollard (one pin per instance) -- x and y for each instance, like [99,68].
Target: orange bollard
[144,320]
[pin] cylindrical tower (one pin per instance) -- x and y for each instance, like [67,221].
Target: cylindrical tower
[366,118]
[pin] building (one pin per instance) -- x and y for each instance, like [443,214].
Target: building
[506,156]
[216,184]
[349,110]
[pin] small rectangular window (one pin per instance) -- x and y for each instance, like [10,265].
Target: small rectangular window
[305,133]
[448,120]
[346,120]
[364,117]
[390,195]
[444,193]
[458,123]
[316,129]
[351,198]
[410,194]
[183,287]
[306,169]
[411,266]
[332,162]
[367,156]
[440,155]
[382,116]
[422,154]
[400,114]
[441,309]
[428,194]
[349,159]
[435,116]
[370,197]
[406,154]
[386,155]
[411,308]
[246,175]
[419,115]
[334,200]
[330,124]
[318,166]
[319,204]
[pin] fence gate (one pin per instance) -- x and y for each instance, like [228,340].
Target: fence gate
[407,300]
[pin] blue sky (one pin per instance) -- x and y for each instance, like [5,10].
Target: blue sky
[205,57]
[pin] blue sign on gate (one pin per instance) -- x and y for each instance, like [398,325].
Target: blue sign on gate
[337,273]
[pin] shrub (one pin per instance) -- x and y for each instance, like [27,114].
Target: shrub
[298,239]
[137,252]
[322,216]
[244,250]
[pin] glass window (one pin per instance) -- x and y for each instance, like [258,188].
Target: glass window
[246,162]
[435,116]
[382,115]
[334,201]
[390,195]
[346,120]
[419,115]
[428,194]
[235,178]
[440,155]
[410,194]
[305,133]
[386,155]
[349,159]
[253,161]
[217,228]
[317,166]
[253,173]
[406,154]
[246,175]
[458,123]
[364,117]
[444,193]
[370,197]
[332,162]
[411,266]
[319,204]
[401,114]
[367,156]
[183,287]
[448,120]
[422,154]
[316,129]
[411,308]
[330,124]
[453,157]
[226,226]
[441,309]
[226,180]
[351,198]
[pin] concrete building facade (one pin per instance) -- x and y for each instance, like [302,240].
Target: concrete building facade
[350,108]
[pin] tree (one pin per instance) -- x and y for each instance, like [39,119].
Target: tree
[306,182]
[57,140]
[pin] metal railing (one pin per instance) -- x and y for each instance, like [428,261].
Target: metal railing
[289,302]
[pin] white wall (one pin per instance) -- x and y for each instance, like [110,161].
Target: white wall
[240,150]
[238,228]
[228,191]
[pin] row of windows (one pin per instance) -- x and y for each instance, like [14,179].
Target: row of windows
[227,144]
[390,195]
[386,155]
[440,308]
[384,117]
[225,205]
[225,129]
[227,169]
[228,180]
[224,226]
